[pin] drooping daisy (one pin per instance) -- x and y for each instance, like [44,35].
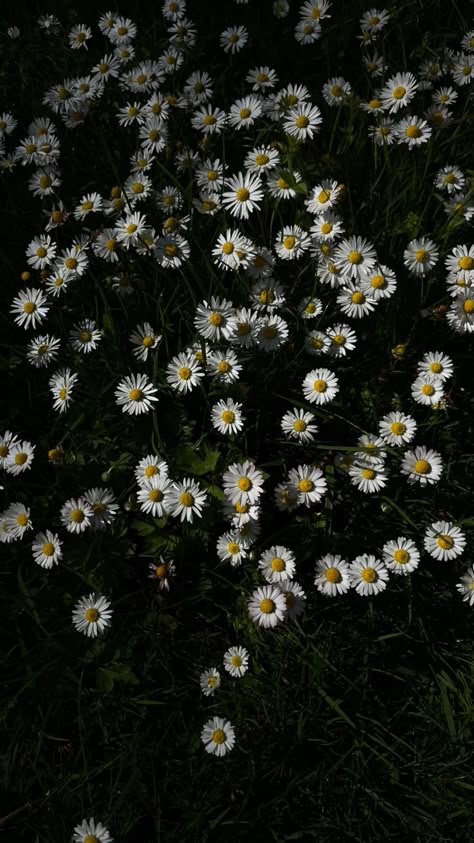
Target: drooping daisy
[368,575]
[236,661]
[84,336]
[291,242]
[303,121]
[209,681]
[47,549]
[422,465]
[144,339]
[91,616]
[368,475]
[161,572]
[227,416]
[19,457]
[436,363]
[61,385]
[231,548]
[104,506]
[427,389]
[397,428]
[320,386]
[444,541]
[135,394]
[184,372]
[413,131]
[76,515]
[332,575]
[214,320]
[466,586]
[218,736]
[398,91]
[309,483]
[186,499]
[299,424]
[267,606]
[401,556]
[242,483]
[420,256]
[30,307]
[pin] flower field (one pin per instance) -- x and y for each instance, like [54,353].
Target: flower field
[236,431]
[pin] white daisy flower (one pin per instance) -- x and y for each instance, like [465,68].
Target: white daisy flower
[320,386]
[261,159]
[427,389]
[353,301]
[152,495]
[161,572]
[150,466]
[291,242]
[422,465]
[436,363]
[242,482]
[236,661]
[420,256]
[267,606]
[223,366]
[286,497]
[307,31]
[73,260]
[323,197]
[218,736]
[300,425]
[244,112]
[47,549]
[186,499]
[128,229]
[209,681]
[244,195]
[401,556]
[310,307]
[378,283]
[413,131]
[461,261]
[327,227]
[355,255]
[273,332]
[19,457]
[444,541]
[77,515]
[233,38]
[332,575]
[90,830]
[227,417]
[61,385]
[228,248]
[317,343]
[85,336]
[460,315]
[372,448]
[104,506]
[214,320]
[374,20]
[230,548]
[135,394]
[184,372]
[245,327]
[277,564]
[309,483]
[267,293]
[211,174]
[17,518]
[43,350]
[41,252]
[466,586]
[368,575]
[342,339]
[368,475]
[91,616]
[398,91]
[450,178]
[7,441]
[336,90]
[144,339]
[303,121]
[295,598]
[397,428]
[462,69]
[30,307]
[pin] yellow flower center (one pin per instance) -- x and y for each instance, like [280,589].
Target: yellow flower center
[338,339]
[302,121]
[444,541]
[261,159]
[326,228]
[20,459]
[30,148]
[218,736]
[333,575]
[368,473]
[47,549]
[413,131]
[244,483]
[467,70]
[374,103]
[186,499]
[22,519]
[299,425]
[336,90]
[305,485]
[324,197]
[184,373]
[397,428]
[267,606]
[373,20]
[242,194]
[235,661]
[421,255]
[468,306]
[277,564]
[399,92]
[91,616]
[310,307]
[369,575]
[358,297]
[29,307]
[77,516]
[62,393]
[466,262]
[228,416]
[289,242]
[354,256]
[427,389]
[41,252]
[401,556]
[282,184]
[223,366]
[209,120]
[233,548]
[244,113]
[377,281]
[320,385]
[308,29]
[384,131]
[150,471]
[85,336]
[155,495]
[71,263]
[227,247]
[148,341]
[87,205]
[135,394]
[160,571]
[422,466]
[269,332]
[243,328]
[44,182]
[170,250]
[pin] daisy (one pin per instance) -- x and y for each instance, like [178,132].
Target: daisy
[303,121]
[144,339]
[233,39]
[398,91]
[320,386]
[373,449]
[85,336]
[267,606]
[261,159]
[309,483]
[368,475]
[397,428]
[466,586]
[461,261]
[244,195]
[413,131]
[47,549]
[420,256]
[19,457]
[423,465]
[249,532]
[211,174]
[218,736]
[129,228]
[327,227]
[223,366]
[245,326]
[378,283]
[323,197]
[279,187]
[76,515]
[227,249]
[17,518]
[214,321]
[445,96]
[73,260]
[273,332]
[373,106]
[401,556]
[277,564]
[241,514]
[30,307]
[209,120]
[236,661]
[173,10]
[44,183]
[310,307]
[336,90]
[353,301]
[184,372]
[104,507]
[262,78]
[307,31]
[149,467]
[7,441]
[161,572]
[460,316]
[299,424]
[138,187]
[332,575]
[368,575]
[450,178]
[186,499]
[374,20]
[286,497]
[171,251]
[43,350]
[295,598]
[436,363]
[231,548]
[227,417]
[444,541]
[123,31]
[291,242]
[88,204]
[198,87]
[135,394]
[152,495]
[209,681]
[266,293]
[317,343]
[342,339]
[355,255]
[91,615]
[61,385]
[242,483]
[427,389]
[384,133]
[462,69]
[244,112]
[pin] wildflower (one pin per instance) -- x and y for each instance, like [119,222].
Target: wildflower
[242,483]
[7,441]
[218,736]
[85,336]
[461,261]
[466,586]
[76,515]
[291,242]
[223,366]
[91,616]
[184,372]
[214,321]
[420,256]
[401,556]
[336,90]
[245,325]
[332,575]
[444,541]
[244,112]
[310,307]
[161,572]
[236,661]
[267,606]
[78,36]
[17,520]
[233,39]
[300,425]
[186,499]
[320,386]
[309,483]
[427,389]
[30,307]
[128,229]
[230,547]
[396,428]
[135,394]
[19,457]
[144,339]
[295,598]
[149,467]
[368,575]
[61,385]
[461,313]
[378,283]
[227,417]
[153,495]
[209,681]
[450,178]
[368,475]
[277,564]
[355,255]
[47,549]
[398,91]
[342,339]
[104,507]
[413,131]
[273,332]
[43,350]
[229,248]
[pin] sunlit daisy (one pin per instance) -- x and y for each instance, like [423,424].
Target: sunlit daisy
[342,339]
[76,515]
[19,457]
[427,389]
[303,121]
[231,548]
[236,661]
[184,372]
[61,385]
[320,386]
[223,366]
[218,736]
[368,475]
[401,556]
[144,339]
[413,131]
[267,606]
[227,416]
[378,283]
[398,91]
[149,467]
[309,484]
[420,256]
[368,575]
[242,482]
[291,242]
[444,541]
[30,307]
[186,499]
[43,350]
[422,465]
[436,363]
[91,616]
[85,336]
[299,424]
[277,564]
[466,586]
[233,39]
[135,394]
[397,428]
[47,549]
